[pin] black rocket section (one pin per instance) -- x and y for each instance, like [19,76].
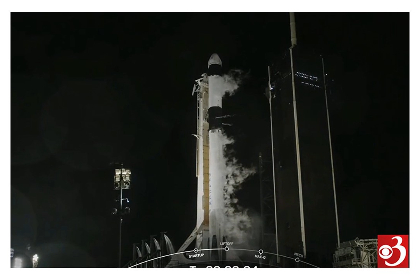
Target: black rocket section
[215,112]
[215,70]
[214,117]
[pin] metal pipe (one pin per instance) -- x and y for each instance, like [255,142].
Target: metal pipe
[274,173]
[302,218]
[121,219]
[134,252]
[331,155]
[261,200]
[293,29]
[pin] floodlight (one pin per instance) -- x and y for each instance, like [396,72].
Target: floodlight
[126,171]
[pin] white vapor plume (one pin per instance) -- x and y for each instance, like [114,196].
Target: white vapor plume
[237,220]
[229,82]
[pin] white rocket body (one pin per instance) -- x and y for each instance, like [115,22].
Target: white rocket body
[210,172]
[216,161]
[210,162]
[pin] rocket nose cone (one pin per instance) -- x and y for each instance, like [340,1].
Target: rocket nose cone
[214,59]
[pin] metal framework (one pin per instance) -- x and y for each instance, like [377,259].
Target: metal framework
[357,253]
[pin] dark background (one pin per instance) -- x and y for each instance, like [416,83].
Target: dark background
[93,88]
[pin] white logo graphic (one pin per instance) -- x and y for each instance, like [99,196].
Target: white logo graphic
[385,252]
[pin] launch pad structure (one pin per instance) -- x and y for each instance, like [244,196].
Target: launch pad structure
[209,239]
[357,253]
[302,182]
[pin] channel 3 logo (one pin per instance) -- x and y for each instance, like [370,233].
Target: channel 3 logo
[392,251]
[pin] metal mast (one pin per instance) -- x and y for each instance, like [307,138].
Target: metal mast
[302,218]
[273,164]
[331,155]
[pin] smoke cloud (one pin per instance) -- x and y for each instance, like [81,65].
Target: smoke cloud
[229,83]
[237,220]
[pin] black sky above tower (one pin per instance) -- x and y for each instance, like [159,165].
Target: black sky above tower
[93,88]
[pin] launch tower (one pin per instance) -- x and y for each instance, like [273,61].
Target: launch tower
[306,199]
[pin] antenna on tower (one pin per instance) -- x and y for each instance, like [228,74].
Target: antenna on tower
[293,29]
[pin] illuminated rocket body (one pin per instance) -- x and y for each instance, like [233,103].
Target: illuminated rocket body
[216,161]
[210,172]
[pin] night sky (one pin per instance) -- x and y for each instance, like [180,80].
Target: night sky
[94,88]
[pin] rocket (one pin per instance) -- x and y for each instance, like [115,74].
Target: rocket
[216,161]
[210,165]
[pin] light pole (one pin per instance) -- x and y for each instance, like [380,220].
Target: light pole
[122,181]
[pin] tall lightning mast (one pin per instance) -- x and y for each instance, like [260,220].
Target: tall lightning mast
[302,216]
